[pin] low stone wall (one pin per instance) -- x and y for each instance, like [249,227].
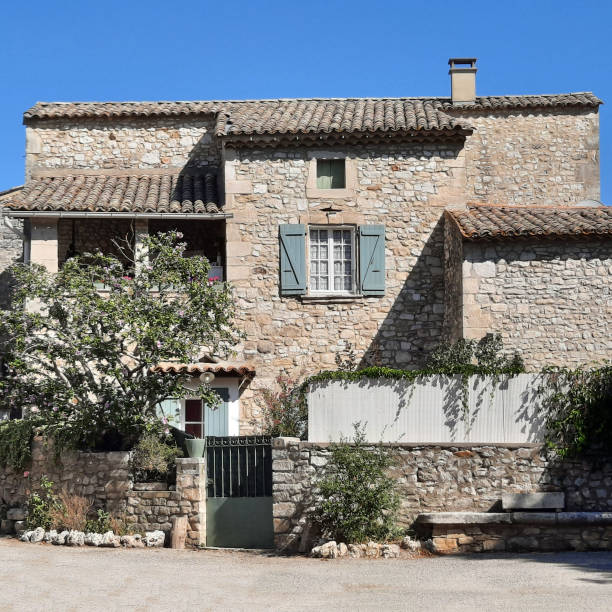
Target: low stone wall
[436,478]
[102,477]
[105,479]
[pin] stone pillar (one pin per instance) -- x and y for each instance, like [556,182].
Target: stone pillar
[191,489]
[43,244]
[141,231]
[286,493]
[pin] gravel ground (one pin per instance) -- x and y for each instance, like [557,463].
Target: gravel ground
[44,577]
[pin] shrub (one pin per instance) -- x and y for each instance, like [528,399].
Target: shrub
[120,526]
[152,458]
[579,406]
[358,501]
[70,512]
[284,411]
[42,505]
[101,524]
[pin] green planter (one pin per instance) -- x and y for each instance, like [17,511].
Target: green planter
[195,447]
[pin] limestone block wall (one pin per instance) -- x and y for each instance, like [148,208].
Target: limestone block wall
[437,478]
[405,188]
[93,144]
[532,157]
[552,301]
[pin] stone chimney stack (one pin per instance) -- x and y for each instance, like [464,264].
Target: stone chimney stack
[463,79]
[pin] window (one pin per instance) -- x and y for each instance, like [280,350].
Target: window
[331,260]
[331,174]
[194,423]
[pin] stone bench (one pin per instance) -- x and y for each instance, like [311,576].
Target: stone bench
[533,501]
[459,532]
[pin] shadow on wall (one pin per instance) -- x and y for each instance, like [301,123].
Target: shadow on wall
[414,325]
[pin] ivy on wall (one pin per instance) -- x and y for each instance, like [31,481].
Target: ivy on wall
[579,406]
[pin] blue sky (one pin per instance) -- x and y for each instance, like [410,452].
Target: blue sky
[155,50]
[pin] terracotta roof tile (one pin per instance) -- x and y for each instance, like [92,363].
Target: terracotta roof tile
[133,193]
[222,367]
[582,98]
[484,222]
[311,115]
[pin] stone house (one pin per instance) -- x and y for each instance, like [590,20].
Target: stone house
[388,224]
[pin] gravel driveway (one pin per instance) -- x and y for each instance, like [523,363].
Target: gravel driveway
[44,577]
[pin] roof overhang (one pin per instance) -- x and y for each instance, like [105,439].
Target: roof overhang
[226,368]
[76,214]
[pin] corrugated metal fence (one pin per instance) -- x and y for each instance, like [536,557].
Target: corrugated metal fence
[429,410]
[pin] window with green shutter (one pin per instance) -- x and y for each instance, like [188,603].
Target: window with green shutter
[331,173]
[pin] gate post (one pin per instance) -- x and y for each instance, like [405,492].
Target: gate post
[191,489]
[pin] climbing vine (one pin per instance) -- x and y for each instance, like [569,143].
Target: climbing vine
[579,407]
[16,443]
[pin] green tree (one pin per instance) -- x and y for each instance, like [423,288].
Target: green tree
[80,360]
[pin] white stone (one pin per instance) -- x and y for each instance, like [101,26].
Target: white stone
[37,535]
[75,538]
[154,539]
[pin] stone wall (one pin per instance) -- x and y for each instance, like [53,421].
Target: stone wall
[11,251]
[106,480]
[532,157]
[550,300]
[404,188]
[437,478]
[91,144]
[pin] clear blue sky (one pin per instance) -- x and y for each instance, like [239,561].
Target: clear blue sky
[182,50]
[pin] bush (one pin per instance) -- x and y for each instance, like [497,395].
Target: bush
[153,459]
[359,501]
[70,512]
[42,505]
[101,524]
[284,411]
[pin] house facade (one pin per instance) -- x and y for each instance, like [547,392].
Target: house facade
[344,222]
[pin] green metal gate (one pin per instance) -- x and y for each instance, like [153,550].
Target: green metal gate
[239,492]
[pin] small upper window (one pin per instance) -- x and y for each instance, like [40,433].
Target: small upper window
[331,174]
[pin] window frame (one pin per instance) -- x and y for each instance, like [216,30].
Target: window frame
[350,176]
[331,162]
[354,261]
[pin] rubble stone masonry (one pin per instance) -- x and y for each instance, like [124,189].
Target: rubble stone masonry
[550,300]
[532,157]
[437,478]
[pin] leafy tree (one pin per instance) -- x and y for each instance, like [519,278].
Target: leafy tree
[80,360]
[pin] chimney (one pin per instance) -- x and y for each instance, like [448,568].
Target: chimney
[463,80]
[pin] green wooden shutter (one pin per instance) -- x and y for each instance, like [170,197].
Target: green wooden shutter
[292,259]
[216,421]
[372,259]
[171,409]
